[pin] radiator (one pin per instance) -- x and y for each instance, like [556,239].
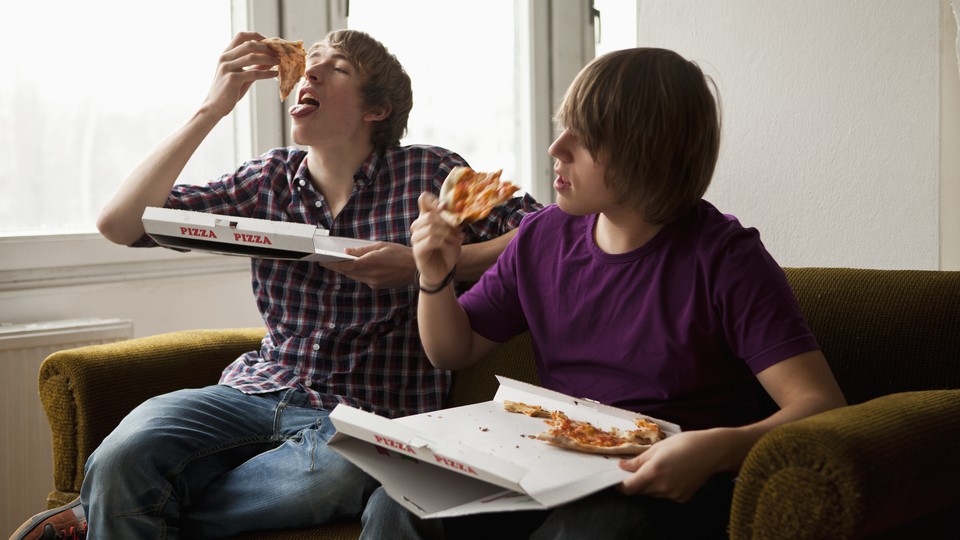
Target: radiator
[26,454]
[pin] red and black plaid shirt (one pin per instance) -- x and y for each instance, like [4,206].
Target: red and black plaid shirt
[337,338]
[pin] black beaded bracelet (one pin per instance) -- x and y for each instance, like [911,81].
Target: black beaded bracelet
[446,281]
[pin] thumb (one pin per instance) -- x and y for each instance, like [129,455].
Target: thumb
[427,202]
[362,250]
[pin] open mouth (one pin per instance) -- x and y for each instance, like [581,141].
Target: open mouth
[307,102]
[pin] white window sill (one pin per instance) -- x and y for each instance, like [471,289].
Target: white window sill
[30,262]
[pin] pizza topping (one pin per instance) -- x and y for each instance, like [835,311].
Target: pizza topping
[585,437]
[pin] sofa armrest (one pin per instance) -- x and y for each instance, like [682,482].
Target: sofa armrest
[852,471]
[87,391]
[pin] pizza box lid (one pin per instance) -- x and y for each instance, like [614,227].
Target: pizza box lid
[244,236]
[480,458]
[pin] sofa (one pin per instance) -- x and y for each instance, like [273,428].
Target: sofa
[885,466]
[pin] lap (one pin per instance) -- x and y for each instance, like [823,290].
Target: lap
[607,514]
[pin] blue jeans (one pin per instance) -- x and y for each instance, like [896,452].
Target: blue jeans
[607,515]
[212,462]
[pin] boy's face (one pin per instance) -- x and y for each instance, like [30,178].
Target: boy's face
[580,186]
[330,107]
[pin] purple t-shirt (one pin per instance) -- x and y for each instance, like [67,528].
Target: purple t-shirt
[675,329]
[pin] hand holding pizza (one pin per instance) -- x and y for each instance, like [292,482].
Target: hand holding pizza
[246,60]
[436,243]
[676,467]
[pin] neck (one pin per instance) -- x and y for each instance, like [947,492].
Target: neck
[622,232]
[331,171]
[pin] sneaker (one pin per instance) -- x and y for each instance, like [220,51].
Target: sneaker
[67,522]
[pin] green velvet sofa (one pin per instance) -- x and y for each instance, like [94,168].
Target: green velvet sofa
[886,466]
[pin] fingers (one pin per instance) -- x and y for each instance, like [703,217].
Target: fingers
[363,250]
[427,202]
[243,37]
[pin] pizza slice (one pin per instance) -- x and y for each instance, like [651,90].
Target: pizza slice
[585,437]
[467,195]
[293,63]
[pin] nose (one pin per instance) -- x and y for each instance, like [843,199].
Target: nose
[313,73]
[560,148]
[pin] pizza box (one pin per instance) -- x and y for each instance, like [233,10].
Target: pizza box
[480,458]
[245,237]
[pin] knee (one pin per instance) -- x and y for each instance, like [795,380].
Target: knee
[381,515]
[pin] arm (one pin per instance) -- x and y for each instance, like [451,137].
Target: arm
[151,181]
[677,466]
[384,265]
[448,339]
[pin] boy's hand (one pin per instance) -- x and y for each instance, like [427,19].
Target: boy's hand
[381,265]
[674,468]
[244,61]
[436,244]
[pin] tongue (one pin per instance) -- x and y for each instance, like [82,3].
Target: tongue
[302,109]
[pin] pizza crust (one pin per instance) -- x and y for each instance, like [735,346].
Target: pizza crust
[523,408]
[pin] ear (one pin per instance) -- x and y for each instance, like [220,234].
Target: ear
[377,113]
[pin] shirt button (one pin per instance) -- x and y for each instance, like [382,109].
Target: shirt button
[336,287]
[316,346]
[303,182]
[331,326]
[318,204]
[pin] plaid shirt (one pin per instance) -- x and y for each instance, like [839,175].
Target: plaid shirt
[334,337]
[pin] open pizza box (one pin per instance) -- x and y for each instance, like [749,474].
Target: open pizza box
[480,458]
[245,237]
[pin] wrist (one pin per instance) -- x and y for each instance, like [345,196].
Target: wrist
[429,289]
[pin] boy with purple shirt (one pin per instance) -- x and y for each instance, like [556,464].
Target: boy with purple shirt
[637,293]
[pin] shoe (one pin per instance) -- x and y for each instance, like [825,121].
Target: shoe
[67,522]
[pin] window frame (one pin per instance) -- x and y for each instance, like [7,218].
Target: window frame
[547,66]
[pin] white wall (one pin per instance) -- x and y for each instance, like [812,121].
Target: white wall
[832,109]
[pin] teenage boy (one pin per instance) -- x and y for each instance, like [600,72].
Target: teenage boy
[637,293]
[250,453]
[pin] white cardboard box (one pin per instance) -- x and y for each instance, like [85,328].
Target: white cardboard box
[481,458]
[247,237]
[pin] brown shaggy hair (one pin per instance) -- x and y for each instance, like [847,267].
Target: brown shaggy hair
[649,115]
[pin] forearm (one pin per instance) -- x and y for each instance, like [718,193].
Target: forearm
[738,441]
[149,184]
[444,329]
[476,258]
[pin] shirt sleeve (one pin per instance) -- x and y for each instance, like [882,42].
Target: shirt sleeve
[760,315]
[233,194]
[493,305]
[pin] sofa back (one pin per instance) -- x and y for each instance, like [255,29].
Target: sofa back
[882,331]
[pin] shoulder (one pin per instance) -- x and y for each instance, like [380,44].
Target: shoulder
[421,154]
[286,161]
[717,233]
[550,216]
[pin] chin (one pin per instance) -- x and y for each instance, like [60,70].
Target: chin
[568,207]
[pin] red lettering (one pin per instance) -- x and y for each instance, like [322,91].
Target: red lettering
[202,233]
[252,239]
[455,465]
[395,444]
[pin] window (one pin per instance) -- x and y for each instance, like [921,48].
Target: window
[94,95]
[461,58]
[616,25]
